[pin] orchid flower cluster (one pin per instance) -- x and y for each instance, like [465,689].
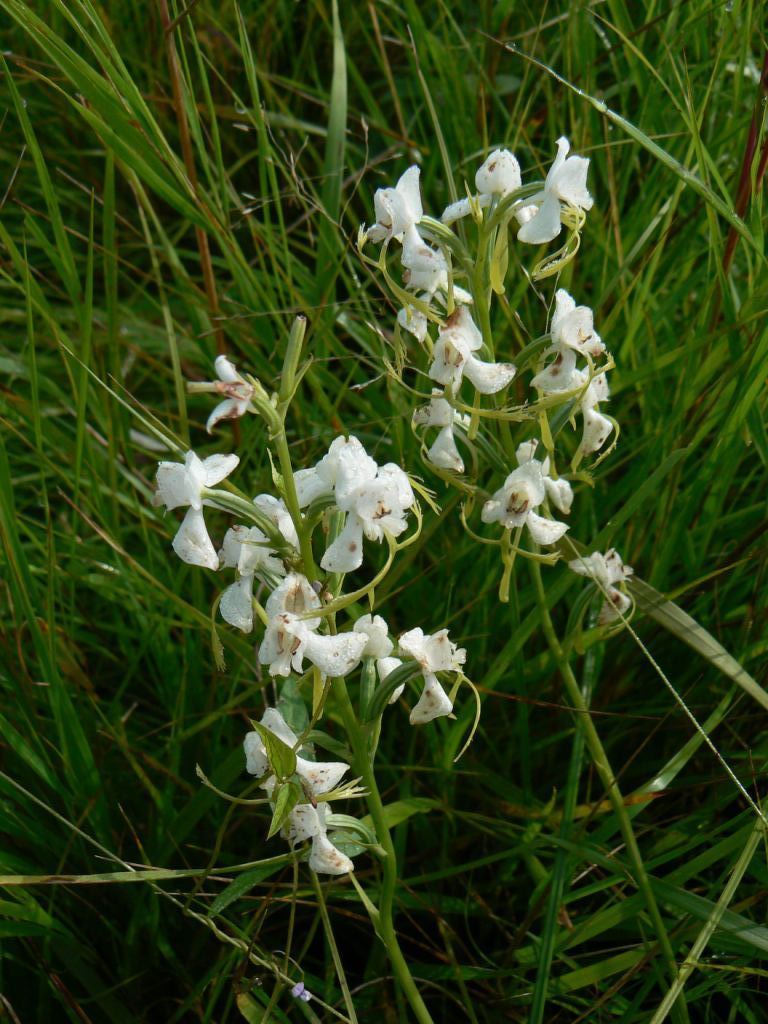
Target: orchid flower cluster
[278,590]
[446,293]
[286,557]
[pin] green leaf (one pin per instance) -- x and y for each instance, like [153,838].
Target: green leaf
[282,759]
[243,884]
[685,628]
[287,796]
[401,810]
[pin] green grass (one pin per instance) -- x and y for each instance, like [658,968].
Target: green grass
[517,900]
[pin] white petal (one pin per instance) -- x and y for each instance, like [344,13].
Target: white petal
[384,667]
[236,605]
[617,571]
[545,531]
[256,762]
[616,603]
[563,148]
[500,174]
[379,645]
[321,776]
[597,430]
[488,378]
[544,225]
[274,509]
[276,650]
[433,703]
[225,370]
[273,720]
[325,859]
[559,375]
[346,552]
[455,211]
[229,409]
[354,469]
[229,555]
[217,467]
[570,182]
[560,493]
[173,485]
[309,486]
[408,188]
[413,321]
[336,655]
[448,359]
[591,565]
[376,233]
[444,452]
[526,450]
[192,543]
[303,823]
[296,596]
[437,413]
[434,652]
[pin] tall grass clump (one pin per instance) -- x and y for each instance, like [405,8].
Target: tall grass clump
[383,509]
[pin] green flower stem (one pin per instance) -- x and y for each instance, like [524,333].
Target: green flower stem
[384,923]
[280,441]
[607,777]
[481,291]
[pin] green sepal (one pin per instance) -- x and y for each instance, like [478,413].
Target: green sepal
[286,795]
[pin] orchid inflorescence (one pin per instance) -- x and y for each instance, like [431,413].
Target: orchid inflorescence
[446,293]
[294,601]
[269,549]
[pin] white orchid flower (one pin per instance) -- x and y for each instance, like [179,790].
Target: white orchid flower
[380,647]
[434,653]
[275,510]
[376,508]
[345,466]
[597,428]
[238,391]
[439,413]
[513,504]
[454,358]
[413,321]
[376,629]
[246,549]
[398,209]
[574,327]
[290,636]
[179,485]
[573,332]
[426,271]
[606,570]
[496,177]
[318,778]
[566,183]
[559,491]
[375,498]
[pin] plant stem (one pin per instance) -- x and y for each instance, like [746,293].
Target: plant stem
[384,924]
[280,442]
[607,777]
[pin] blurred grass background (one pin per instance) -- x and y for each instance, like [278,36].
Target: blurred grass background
[121,277]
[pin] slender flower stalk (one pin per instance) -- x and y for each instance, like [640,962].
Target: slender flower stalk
[610,783]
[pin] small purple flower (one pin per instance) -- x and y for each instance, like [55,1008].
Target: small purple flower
[299,992]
